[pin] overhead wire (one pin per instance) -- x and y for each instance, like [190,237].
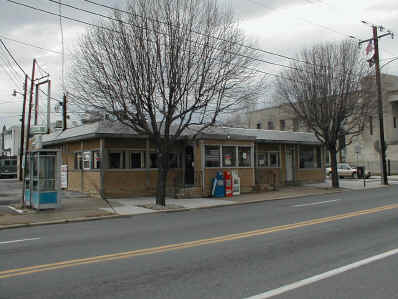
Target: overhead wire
[196,32]
[126,23]
[309,22]
[12,57]
[28,44]
[8,72]
[102,27]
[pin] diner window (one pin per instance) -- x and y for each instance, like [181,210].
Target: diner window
[262,159]
[228,156]
[96,160]
[282,124]
[78,161]
[268,159]
[173,160]
[244,154]
[295,125]
[212,156]
[270,125]
[153,160]
[86,160]
[115,160]
[258,125]
[310,157]
[274,160]
[136,160]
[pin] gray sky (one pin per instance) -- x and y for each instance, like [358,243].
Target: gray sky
[279,26]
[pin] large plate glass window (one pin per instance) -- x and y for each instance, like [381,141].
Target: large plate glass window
[310,157]
[136,160]
[115,160]
[96,160]
[228,156]
[244,155]
[153,160]
[86,160]
[212,156]
[78,161]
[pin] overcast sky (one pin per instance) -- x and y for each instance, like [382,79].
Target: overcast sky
[279,26]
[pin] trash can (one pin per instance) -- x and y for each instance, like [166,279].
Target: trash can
[360,172]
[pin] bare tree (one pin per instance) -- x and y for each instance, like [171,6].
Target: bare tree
[328,93]
[163,67]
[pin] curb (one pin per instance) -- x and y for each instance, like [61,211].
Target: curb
[117,216]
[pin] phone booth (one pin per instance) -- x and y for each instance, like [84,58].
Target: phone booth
[40,183]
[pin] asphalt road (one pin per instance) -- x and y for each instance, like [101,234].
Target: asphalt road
[339,245]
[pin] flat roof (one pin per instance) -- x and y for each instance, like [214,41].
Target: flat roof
[114,129]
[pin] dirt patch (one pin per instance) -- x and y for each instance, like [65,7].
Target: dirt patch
[160,207]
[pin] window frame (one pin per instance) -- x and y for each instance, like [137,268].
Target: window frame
[267,159]
[218,146]
[249,158]
[221,158]
[142,159]
[315,157]
[95,161]
[87,157]
[78,161]
[121,159]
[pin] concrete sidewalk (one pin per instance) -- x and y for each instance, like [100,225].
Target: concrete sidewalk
[78,207]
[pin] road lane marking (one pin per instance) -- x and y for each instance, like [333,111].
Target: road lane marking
[17,241]
[315,203]
[328,274]
[171,247]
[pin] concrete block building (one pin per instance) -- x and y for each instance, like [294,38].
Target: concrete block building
[109,159]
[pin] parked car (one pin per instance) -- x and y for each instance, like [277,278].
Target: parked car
[345,170]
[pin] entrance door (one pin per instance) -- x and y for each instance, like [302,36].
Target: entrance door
[289,165]
[189,166]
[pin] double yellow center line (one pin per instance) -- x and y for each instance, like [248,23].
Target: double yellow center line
[184,245]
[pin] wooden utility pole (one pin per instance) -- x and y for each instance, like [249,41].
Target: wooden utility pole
[376,60]
[32,84]
[380,108]
[64,116]
[22,140]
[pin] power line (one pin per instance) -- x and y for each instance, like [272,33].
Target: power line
[113,19]
[28,44]
[7,71]
[9,53]
[101,27]
[9,68]
[309,22]
[199,33]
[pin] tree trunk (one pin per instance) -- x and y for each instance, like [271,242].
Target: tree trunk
[162,179]
[333,165]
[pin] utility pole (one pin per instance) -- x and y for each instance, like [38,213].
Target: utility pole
[32,84]
[22,140]
[376,60]
[64,116]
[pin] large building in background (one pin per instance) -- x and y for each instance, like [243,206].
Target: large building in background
[9,141]
[364,150]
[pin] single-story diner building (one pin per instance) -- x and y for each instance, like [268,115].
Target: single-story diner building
[109,159]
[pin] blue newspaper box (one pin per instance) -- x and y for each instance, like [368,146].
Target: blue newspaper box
[218,187]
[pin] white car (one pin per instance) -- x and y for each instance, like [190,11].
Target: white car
[345,170]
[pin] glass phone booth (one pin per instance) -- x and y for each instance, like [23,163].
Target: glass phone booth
[41,185]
